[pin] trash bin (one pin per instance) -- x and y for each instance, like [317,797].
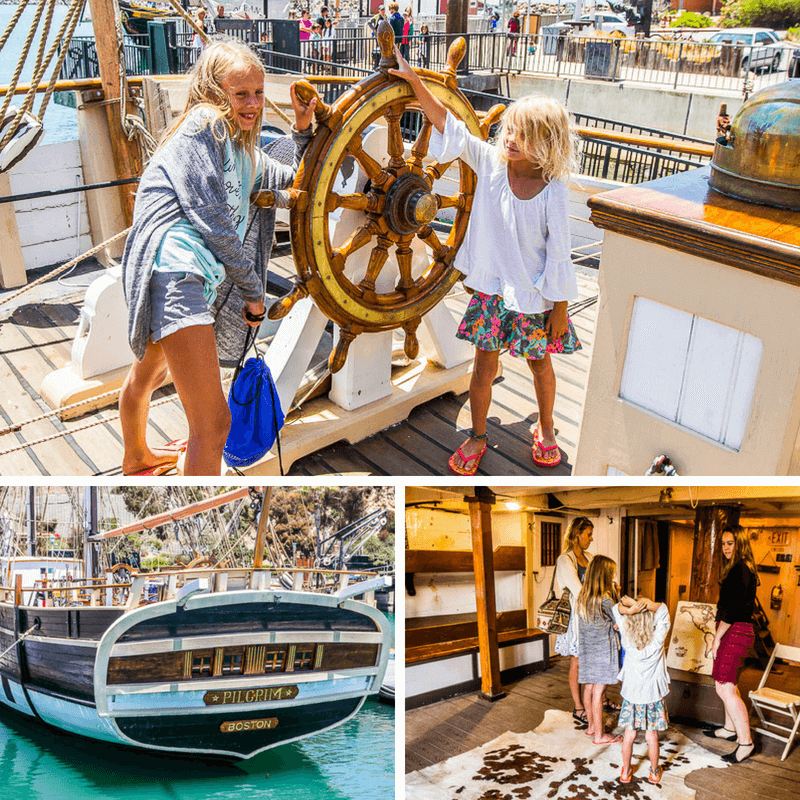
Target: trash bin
[550,34]
[602,59]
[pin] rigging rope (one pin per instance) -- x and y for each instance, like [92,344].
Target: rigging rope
[34,627]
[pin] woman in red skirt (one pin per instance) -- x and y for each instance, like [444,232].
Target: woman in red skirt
[737,597]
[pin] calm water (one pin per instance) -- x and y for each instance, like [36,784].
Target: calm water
[352,762]
[60,123]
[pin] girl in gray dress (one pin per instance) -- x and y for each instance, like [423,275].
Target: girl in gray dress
[598,654]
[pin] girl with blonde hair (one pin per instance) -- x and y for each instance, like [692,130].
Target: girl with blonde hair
[186,273]
[515,256]
[598,654]
[643,626]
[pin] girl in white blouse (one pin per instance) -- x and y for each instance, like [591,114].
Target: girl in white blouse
[643,626]
[515,256]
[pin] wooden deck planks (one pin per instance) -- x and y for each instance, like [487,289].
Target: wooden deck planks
[37,338]
[451,727]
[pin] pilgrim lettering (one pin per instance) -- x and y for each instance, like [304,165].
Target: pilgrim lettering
[261,695]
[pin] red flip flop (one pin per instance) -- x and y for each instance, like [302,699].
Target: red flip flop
[469,469]
[615,740]
[540,462]
[176,445]
[158,469]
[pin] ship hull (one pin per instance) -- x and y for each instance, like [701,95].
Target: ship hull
[226,674]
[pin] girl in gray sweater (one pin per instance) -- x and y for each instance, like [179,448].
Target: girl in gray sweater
[185,265]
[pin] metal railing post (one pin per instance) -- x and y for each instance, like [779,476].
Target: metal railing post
[678,66]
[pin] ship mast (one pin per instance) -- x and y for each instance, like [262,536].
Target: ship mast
[127,159]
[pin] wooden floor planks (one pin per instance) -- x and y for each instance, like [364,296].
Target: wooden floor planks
[441,730]
[36,338]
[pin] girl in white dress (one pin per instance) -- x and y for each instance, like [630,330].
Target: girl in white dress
[644,626]
[515,256]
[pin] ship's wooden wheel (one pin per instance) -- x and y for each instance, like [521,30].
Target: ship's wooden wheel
[394,282]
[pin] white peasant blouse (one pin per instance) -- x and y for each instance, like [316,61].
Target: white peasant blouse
[517,249]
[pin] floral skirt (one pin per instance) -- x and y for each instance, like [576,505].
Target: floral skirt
[644,717]
[489,325]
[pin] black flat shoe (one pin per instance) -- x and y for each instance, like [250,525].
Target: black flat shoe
[731,757]
[711,726]
[579,714]
[712,734]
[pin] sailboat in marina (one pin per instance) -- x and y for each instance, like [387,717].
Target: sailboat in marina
[219,661]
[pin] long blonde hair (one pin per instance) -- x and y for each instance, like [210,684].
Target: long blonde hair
[598,583]
[205,91]
[639,628]
[742,551]
[542,131]
[576,527]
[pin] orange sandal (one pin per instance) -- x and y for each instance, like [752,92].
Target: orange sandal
[622,778]
[470,468]
[656,774]
[544,462]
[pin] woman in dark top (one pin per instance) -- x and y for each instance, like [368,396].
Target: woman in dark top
[737,598]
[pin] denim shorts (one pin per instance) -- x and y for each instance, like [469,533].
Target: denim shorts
[176,301]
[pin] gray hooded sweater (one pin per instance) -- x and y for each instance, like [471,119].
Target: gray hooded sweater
[182,180]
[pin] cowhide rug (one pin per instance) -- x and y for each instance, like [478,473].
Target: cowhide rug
[558,762]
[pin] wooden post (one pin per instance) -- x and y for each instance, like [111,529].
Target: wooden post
[127,160]
[12,262]
[528,538]
[456,20]
[261,536]
[709,522]
[480,515]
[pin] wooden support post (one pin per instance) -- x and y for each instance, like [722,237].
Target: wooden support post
[127,159]
[709,522]
[12,262]
[530,565]
[480,515]
[261,536]
[456,20]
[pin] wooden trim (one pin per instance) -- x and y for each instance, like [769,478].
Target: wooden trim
[651,142]
[433,652]
[505,557]
[441,631]
[289,663]
[680,213]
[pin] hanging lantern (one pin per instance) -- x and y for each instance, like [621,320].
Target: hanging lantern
[776,597]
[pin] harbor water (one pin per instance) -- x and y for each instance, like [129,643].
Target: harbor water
[352,762]
[60,122]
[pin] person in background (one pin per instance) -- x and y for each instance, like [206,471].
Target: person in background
[323,15]
[316,41]
[305,26]
[376,20]
[513,33]
[220,11]
[734,637]
[408,32]
[396,21]
[570,573]
[327,42]
[424,47]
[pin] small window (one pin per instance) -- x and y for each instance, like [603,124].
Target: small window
[273,661]
[303,658]
[201,665]
[551,540]
[232,663]
[690,370]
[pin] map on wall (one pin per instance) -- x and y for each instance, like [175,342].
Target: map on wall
[692,637]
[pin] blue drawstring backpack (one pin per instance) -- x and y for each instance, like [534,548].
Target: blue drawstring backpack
[256,414]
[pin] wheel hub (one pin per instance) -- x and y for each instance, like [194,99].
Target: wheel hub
[409,204]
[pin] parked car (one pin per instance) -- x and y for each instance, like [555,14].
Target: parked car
[794,64]
[763,48]
[610,22]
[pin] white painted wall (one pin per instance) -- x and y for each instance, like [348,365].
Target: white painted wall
[454,593]
[48,226]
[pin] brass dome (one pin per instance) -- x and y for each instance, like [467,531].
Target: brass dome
[760,159]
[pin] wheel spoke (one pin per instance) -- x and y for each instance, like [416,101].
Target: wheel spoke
[420,147]
[395,147]
[376,261]
[357,240]
[373,169]
[404,258]
[451,200]
[436,170]
[428,235]
[357,202]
